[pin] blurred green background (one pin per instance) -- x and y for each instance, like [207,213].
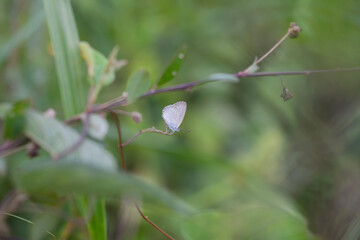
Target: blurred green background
[254,166]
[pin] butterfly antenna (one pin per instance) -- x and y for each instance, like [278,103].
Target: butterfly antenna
[186,130]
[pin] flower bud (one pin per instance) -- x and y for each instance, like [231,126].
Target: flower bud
[294,30]
[136,116]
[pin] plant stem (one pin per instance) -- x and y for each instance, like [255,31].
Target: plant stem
[153,129]
[84,132]
[151,222]
[243,74]
[146,218]
[79,142]
[273,48]
[117,123]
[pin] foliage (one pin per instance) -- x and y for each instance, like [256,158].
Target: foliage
[251,167]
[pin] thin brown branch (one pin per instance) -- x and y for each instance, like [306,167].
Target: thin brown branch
[306,72]
[189,86]
[153,129]
[79,142]
[293,31]
[74,119]
[184,86]
[9,146]
[273,48]
[120,101]
[117,123]
[152,223]
[122,112]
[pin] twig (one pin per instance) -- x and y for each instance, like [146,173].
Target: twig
[117,123]
[293,32]
[153,129]
[184,86]
[79,142]
[242,74]
[122,112]
[273,48]
[120,101]
[151,222]
[9,146]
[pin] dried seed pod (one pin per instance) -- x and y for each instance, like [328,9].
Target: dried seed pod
[136,116]
[294,30]
[286,94]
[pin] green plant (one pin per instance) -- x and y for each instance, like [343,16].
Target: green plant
[77,167]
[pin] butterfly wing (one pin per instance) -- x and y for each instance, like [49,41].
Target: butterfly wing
[173,115]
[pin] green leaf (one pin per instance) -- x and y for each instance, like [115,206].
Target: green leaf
[219,77]
[138,84]
[65,41]
[55,137]
[14,122]
[98,126]
[97,63]
[174,66]
[87,53]
[69,177]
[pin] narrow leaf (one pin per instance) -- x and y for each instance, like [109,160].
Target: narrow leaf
[94,212]
[174,66]
[65,40]
[137,85]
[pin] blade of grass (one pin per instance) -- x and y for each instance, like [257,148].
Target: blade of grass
[65,41]
[95,216]
[71,77]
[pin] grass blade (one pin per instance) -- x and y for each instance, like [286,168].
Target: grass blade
[71,74]
[69,67]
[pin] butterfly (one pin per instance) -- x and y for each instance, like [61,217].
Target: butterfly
[173,115]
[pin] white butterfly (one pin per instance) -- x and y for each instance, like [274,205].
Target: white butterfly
[173,115]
